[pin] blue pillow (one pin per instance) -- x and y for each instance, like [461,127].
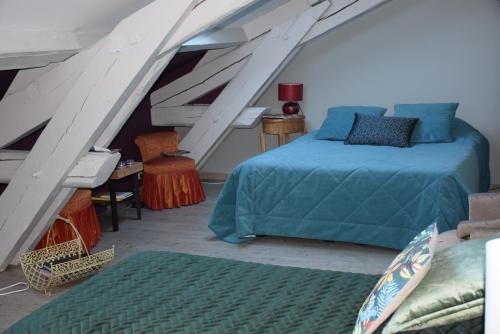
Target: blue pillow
[339,121]
[435,121]
[376,130]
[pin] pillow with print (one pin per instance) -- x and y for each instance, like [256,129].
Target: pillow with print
[383,131]
[400,279]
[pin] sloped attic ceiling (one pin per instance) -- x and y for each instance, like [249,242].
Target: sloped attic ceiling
[35,33]
[66,15]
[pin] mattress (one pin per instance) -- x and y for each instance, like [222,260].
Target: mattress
[375,195]
[162,292]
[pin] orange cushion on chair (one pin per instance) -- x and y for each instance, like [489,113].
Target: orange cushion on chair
[169,164]
[170,182]
[152,145]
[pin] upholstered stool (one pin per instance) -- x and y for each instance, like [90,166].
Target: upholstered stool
[80,210]
[168,182]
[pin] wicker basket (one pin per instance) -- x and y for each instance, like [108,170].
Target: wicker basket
[62,263]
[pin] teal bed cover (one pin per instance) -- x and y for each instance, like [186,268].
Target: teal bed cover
[375,195]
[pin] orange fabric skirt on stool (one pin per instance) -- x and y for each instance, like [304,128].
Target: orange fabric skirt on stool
[81,211]
[170,182]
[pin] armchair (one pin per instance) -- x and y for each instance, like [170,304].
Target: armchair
[484,217]
[168,182]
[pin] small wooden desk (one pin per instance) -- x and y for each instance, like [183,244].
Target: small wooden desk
[119,174]
[281,125]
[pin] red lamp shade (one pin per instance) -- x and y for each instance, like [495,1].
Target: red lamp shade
[290,91]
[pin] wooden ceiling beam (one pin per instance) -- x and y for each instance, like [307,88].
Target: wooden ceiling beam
[109,133]
[206,15]
[211,55]
[134,99]
[38,94]
[27,49]
[112,76]
[189,115]
[273,18]
[341,12]
[220,67]
[204,79]
[264,62]
[219,39]
[91,171]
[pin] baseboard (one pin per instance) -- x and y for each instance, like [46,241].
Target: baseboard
[495,188]
[217,177]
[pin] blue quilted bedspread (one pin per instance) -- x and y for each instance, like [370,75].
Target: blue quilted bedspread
[374,195]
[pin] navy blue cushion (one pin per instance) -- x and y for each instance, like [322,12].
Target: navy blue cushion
[435,121]
[339,121]
[387,131]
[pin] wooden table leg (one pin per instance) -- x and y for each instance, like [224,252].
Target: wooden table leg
[281,139]
[137,196]
[114,208]
[262,141]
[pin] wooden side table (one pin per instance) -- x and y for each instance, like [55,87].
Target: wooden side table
[281,125]
[132,170]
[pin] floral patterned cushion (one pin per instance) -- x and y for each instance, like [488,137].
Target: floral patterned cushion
[400,279]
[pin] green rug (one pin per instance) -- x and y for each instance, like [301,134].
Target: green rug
[161,292]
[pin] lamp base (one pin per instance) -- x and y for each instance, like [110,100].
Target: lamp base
[291,108]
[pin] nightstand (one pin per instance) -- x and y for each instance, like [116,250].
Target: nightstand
[281,125]
[114,199]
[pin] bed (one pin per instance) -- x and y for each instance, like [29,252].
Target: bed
[162,292]
[374,195]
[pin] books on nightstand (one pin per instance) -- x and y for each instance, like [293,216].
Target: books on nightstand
[106,197]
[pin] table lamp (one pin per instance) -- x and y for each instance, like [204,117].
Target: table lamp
[291,93]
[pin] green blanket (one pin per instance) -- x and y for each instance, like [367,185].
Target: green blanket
[161,292]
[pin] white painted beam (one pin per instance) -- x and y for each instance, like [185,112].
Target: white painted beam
[219,39]
[26,49]
[8,168]
[273,18]
[109,133]
[134,99]
[25,77]
[46,221]
[267,58]
[217,70]
[104,140]
[13,155]
[205,16]
[32,104]
[91,171]
[211,55]
[115,72]
[10,161]
[189,115]
[204,79]
[344,11]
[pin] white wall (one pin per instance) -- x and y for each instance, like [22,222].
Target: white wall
[403,52]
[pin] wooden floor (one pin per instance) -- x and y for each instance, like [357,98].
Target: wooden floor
[185,230]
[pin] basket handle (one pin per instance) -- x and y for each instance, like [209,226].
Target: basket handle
[50,241]
[68,221]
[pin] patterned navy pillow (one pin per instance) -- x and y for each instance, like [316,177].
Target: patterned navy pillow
[376,130]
